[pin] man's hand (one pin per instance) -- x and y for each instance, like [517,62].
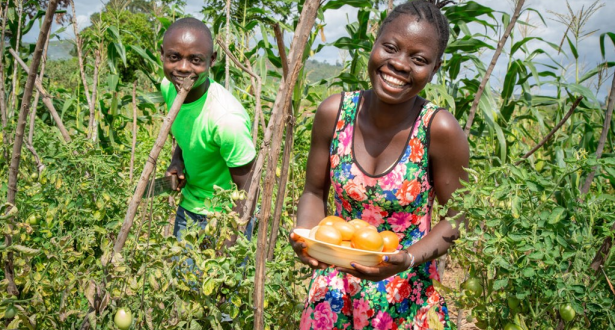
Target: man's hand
[177,169]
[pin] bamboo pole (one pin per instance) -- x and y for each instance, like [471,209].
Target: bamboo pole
[19,135]
[46,98]
[134,127]
[555,129]
[149,165]
[494,60]
[38,92]
[275,130]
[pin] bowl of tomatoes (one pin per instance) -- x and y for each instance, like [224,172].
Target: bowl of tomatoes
[338,242]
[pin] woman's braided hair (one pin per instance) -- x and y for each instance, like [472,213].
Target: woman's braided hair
[424,9]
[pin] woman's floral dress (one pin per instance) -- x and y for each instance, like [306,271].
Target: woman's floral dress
[399,200]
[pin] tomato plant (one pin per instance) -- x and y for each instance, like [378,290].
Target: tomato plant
[567,312]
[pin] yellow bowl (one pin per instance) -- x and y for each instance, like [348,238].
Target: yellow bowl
[339,255]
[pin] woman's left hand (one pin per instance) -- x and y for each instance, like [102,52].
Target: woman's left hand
[391,265]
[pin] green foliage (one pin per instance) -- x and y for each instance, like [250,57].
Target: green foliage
[531,236]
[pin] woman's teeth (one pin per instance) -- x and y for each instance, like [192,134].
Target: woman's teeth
[392,81]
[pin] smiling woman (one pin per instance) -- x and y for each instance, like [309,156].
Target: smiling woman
[388,153]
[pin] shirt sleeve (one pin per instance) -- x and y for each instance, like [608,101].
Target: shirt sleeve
[235,140]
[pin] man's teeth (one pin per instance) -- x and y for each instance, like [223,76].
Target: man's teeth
[392,80]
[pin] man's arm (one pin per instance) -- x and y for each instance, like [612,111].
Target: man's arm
[242,177]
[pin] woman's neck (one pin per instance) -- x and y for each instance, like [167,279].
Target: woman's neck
[386,116]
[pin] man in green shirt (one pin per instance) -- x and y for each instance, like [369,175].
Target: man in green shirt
[212,129]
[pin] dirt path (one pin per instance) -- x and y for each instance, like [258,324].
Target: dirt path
[453,276]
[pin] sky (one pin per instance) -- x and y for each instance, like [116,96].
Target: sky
[336,20]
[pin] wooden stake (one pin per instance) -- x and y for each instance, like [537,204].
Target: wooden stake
[3,105]
[274,134]
[19,134]
[606,126]
[46,98]
[494,60]
[78,42]
[38,92]
[134,128]
[149,165]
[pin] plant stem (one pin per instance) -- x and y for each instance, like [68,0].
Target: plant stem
[494,60]
[557,127]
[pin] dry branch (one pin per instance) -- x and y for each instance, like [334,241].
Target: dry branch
[3,112]
[494,60]
[38,92]
[46,98]
[149,165]
[279,37]
[288,146]
[19,134]
[605,249]
[557,127]
[93,125]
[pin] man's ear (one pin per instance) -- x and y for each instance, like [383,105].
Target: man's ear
[161,53]
[214,56]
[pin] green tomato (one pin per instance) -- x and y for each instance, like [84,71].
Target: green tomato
[10,312]
[567,312]
[513,302]
[511,326]
[32,220]
[481,324]
[472,287]
[123,318]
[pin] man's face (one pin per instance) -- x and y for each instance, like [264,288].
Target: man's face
[186,52]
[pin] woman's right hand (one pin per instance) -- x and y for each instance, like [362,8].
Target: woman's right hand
[300,247]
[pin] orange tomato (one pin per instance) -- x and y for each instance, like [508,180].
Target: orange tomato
[313,232]
[367,239]
[330,220]
[358,223]
[347,230]
[391,241]
[328,234]
[347,244]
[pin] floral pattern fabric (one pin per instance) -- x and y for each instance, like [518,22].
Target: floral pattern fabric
[399,200]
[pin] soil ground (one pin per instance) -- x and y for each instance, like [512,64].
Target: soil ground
[453,276]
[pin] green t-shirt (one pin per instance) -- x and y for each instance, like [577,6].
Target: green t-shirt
[213,133]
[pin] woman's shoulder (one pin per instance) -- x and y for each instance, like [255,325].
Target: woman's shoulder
[444,129]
